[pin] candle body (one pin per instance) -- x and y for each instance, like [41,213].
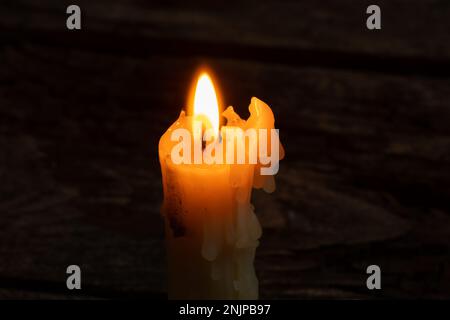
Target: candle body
[211,229]
[208,256]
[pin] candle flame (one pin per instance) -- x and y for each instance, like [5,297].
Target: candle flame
[206,102]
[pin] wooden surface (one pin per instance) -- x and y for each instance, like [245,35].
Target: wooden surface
[364,117]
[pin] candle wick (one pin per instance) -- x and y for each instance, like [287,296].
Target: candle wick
[203,145]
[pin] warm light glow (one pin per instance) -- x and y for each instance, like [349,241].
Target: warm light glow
[205,101]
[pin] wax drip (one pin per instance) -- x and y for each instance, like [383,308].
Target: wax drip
[241,235]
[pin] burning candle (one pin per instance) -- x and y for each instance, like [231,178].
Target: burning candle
[208,173]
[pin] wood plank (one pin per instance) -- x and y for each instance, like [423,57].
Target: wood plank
[364,180]
[410,28]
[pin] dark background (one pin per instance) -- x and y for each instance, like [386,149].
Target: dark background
[364,117]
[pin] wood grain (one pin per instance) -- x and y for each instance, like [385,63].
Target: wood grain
[410,28]
[365,179]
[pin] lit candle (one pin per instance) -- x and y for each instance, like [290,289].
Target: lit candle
[211,229]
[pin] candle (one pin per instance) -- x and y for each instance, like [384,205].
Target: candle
[208,173]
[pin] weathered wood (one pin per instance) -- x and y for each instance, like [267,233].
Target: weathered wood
[410,28]
[364,117]
[365,179]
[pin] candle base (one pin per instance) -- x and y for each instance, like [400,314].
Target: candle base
[191,277]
